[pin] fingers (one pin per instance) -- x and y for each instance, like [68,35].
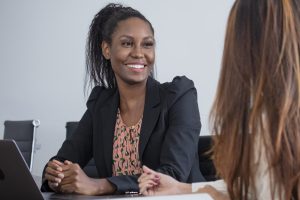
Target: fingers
[70,169]
[53,174]
[53,171]
[67,184]
[68,180]
[147,186]
[148,181]
[147,170]
[64,176]
[151,176]
[66,165]
[75,180]
[67,162]
[147,192]
[72,173]
[67,188]
[54,186]
[150,171]
[53,178]
[55,164]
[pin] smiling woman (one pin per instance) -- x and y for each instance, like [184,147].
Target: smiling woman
[131,51]
[131,119]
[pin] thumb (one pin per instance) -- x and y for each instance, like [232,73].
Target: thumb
[67,162]
[147,170]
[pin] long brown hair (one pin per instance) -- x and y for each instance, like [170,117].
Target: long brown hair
[258,96]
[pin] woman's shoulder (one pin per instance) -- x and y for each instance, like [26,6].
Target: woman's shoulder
[179,85]
[99,94]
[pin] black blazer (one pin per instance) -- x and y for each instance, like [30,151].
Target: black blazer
[169,133]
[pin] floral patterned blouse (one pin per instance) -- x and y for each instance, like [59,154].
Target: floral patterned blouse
[125,148]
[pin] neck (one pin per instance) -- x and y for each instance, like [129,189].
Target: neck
[132,97]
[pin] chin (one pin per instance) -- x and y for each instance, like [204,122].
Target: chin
[134,81]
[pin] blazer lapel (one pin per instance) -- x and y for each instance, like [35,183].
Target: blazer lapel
[108,121]
[151,113]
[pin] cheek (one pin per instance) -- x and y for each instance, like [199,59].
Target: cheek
[118,58]
[151,57]
[119,52]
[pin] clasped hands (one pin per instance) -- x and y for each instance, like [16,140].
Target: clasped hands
[155,183]
[68,177]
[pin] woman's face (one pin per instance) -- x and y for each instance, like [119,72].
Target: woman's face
[132,51]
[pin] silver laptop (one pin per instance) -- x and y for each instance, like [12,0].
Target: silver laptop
[16,181]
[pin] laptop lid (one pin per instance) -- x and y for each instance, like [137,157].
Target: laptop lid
[16,181]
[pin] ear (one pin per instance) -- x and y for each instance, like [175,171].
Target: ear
[105,50]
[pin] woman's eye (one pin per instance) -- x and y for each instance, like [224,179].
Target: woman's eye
[126,44]
[148,44]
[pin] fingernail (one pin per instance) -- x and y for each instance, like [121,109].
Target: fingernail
[57,180]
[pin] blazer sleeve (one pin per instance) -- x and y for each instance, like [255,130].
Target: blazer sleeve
[78,148]
[181,139]
[125,183]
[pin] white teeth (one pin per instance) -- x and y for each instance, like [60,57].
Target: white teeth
[136,66]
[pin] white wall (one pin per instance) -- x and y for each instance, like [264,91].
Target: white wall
[42,46]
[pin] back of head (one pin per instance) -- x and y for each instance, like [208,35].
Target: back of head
[98,69]
[258,96]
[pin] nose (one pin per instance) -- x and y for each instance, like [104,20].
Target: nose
[137,52]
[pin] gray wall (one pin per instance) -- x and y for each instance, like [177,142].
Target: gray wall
[42,46]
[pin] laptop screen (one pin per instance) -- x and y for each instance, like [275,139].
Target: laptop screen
[16,181]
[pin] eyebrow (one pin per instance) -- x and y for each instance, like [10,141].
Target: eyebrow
[128,36]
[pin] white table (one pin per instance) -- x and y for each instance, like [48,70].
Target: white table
[194,196]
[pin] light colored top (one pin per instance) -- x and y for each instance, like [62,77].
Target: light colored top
[262,177]
[125,148]
[219,185]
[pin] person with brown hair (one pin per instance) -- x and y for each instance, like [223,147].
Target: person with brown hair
[256,113]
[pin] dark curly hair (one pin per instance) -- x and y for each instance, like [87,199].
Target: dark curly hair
[98,69]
